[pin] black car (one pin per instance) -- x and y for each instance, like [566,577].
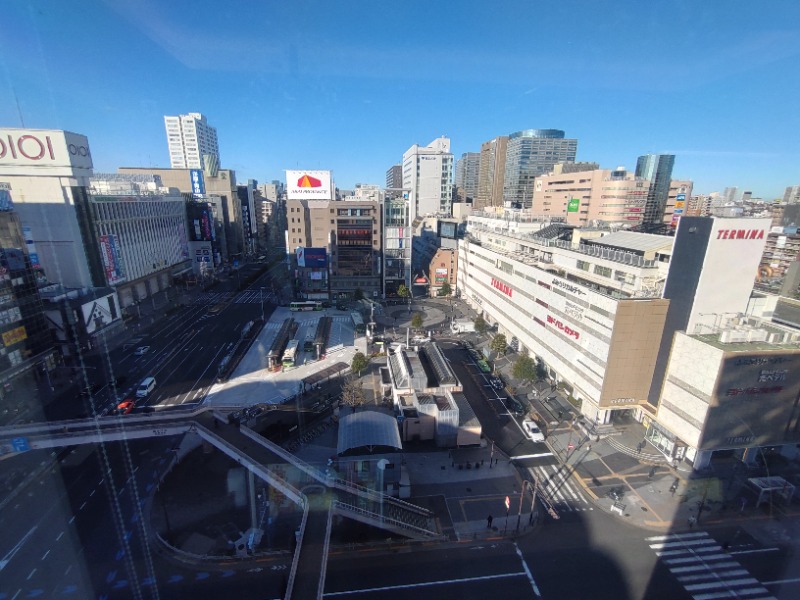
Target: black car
[514,406]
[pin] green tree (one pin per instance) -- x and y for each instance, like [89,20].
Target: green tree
[402,291]
[524,369]
[480,324]
[359,363]
[499,343]
[445,290]
[416,321]
[358,294]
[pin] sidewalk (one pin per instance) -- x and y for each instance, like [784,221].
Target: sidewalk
[641,488]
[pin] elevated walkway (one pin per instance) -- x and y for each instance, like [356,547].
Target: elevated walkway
[281,469]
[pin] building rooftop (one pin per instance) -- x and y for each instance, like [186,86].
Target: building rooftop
[633,241]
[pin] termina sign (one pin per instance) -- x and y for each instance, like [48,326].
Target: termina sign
[561,327]
[740,234]
[505,288]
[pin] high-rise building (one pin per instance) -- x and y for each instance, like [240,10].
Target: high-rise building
[491,173]
[192,142]
[467,170]
[729,195]
[530,153]
[428,174]
[394,181]
[397,245]
[792,195]
[677,201]
[658,169]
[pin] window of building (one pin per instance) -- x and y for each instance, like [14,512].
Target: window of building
[583,265]
[602,271]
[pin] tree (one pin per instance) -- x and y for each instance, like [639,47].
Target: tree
[445,290]
[360,362]
[499,343]
[358,294]
[524,369]
[416,321]
[480,324]
[402,291]
[352,391]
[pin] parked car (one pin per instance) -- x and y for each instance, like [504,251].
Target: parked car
[514,406]
[496,383]
[141,350]
[532,431]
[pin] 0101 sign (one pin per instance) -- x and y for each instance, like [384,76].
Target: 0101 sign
[36,148]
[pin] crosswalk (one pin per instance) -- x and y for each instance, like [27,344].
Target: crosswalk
[555,483]
[246,297]
[704,569]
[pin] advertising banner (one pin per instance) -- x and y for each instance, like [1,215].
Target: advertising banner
[14,336]
[574,205]
[680,197]
[99,313]
[112,263]
[315,258]
[680,204]
[309,185]
[44,148]
[198,183]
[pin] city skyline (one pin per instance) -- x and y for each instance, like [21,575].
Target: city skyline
[689,81]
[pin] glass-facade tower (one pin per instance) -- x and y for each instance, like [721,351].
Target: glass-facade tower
[530,153]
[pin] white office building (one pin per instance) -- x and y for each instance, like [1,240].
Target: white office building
[428,174]
[192,142]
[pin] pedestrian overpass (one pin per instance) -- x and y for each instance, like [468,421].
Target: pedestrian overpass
[327,494]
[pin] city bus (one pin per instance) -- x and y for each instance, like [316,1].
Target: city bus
[358,322]
[308,344]
[308,305]
[290,354]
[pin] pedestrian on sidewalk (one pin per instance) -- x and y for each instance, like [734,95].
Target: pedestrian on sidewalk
[692,521]
[489,520]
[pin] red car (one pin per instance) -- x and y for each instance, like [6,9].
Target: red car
[125,407]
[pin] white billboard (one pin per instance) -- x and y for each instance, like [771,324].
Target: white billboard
[314,185]
[730,266]
[100,312]
[44,148]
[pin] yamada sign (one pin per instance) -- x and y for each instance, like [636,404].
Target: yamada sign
[44,148]
[309,185]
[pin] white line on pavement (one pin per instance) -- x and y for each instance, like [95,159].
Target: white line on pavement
[425,584]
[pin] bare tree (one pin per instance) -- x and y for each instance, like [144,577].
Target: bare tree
[352,391]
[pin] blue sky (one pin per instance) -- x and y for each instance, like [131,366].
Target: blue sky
[349,86]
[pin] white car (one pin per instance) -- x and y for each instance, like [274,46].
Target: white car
[142,350]
[532,431]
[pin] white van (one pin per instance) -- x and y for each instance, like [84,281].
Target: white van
[148,385]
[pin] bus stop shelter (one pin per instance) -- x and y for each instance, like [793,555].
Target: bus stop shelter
[769,486]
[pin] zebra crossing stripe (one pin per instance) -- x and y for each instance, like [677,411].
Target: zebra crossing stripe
[706,567]
[677,536]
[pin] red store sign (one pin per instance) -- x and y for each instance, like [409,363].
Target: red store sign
[740,234]
[563,328]
[499,285]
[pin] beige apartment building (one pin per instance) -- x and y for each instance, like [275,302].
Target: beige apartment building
[350,232]
[491,173]
[612,196]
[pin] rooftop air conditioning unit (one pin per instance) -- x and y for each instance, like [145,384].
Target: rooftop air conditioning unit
[757,335]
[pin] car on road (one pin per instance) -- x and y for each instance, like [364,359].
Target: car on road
[125,407]
[532,431]
[474,354]
[514,406]
[141,350]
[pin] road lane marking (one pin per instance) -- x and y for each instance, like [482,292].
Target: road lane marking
[527,571]
[755,551]
[426,584]
[45,554]
[59,536]
[7,558]
[781,581]
[30,574]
